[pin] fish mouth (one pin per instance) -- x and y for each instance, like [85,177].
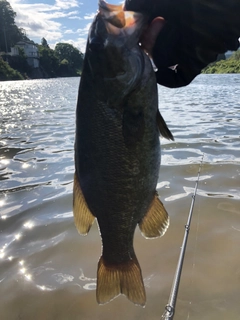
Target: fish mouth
[96,44]
[117,20]
[113,43]
[112,13]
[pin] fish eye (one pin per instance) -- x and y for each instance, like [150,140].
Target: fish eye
[95,44]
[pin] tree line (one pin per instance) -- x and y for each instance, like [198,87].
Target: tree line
[63,60]
[230,65]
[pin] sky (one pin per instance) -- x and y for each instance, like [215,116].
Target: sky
[56,20]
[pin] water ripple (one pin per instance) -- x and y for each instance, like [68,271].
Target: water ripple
[42,257]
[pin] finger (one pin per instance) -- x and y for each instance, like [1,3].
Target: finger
[149,36]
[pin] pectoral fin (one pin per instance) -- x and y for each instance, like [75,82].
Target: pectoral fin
[83,217]
[156,221]
[163,128]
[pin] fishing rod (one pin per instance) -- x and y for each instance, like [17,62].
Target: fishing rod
[170,307]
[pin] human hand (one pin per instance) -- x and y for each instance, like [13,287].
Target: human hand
[150,34]
[194,33]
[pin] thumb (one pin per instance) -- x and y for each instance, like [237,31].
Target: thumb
[149,36]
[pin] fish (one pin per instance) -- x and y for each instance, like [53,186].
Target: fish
[117,149]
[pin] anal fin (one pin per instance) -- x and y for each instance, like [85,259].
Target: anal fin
[155,223]
[124,278]
[83,217]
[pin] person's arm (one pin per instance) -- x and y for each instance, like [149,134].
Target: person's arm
[195,32]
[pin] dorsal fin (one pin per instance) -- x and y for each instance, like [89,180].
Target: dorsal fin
[163,128]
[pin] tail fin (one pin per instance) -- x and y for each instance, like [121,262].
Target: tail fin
[124,278]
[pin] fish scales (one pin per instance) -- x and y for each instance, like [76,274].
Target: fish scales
[117,150]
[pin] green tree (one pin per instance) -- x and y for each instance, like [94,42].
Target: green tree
[7,73]
[71,54]
[64,69]
[230,65]
[236,55]
[48,61]
[44,43]
[10,34]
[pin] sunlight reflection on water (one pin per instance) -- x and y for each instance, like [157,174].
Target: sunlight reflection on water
[44,263]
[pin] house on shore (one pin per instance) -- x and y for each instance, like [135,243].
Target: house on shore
[30,50]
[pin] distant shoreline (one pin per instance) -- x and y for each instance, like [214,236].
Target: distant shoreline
[228,66]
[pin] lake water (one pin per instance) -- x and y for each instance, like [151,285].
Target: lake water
[48,271]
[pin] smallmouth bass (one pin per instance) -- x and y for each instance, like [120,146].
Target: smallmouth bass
[117,149]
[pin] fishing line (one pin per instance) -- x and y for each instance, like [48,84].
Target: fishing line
[170,307]
[194,256]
